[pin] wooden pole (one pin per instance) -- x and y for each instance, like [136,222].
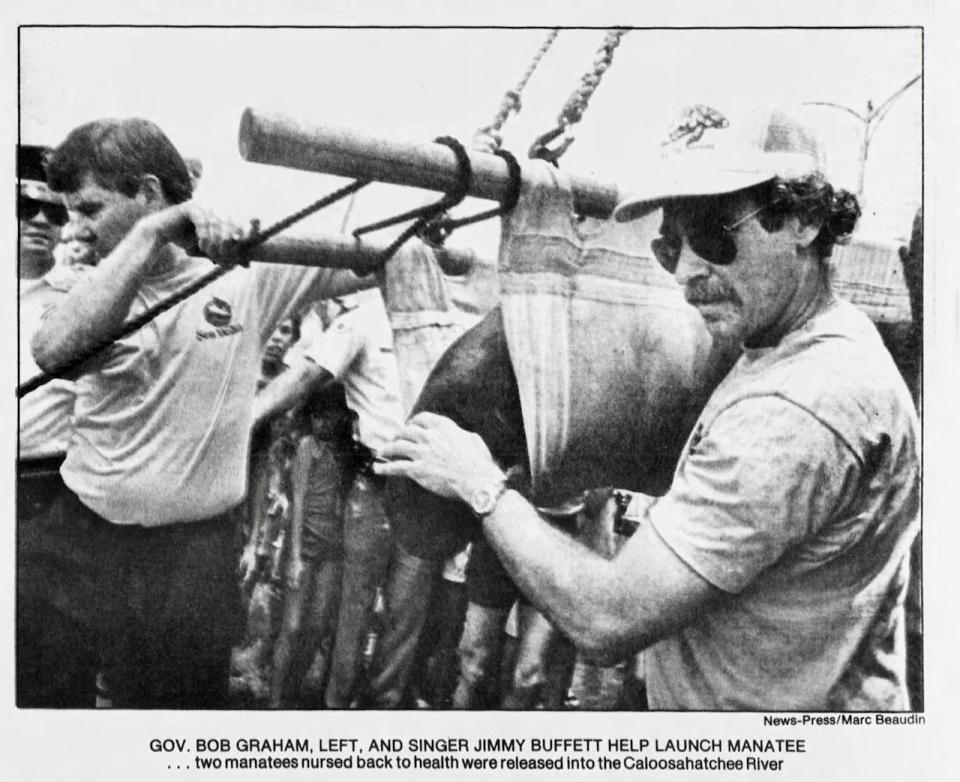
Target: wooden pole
[278,140]
[345,252]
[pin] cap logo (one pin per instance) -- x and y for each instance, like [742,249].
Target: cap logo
[693,123]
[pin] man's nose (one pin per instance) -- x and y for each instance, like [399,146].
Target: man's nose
[690,265]
[40,218]
[79,227]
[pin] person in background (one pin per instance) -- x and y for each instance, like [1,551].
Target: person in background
[320,475]
[70,251]
[262,520]
[281,340]
[436,665]
[56,659]
[349,340]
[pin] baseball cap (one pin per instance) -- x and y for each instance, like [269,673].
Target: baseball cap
[710,151]
[31,176]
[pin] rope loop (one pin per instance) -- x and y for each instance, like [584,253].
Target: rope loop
[436,231]
[424,214]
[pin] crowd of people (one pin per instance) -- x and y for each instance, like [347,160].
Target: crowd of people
[202,520]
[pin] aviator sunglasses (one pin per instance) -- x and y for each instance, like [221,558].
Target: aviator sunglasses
[706,232]
[28,208]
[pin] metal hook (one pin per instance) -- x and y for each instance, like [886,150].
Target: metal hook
[540,151]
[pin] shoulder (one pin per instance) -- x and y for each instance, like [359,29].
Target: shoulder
[839,373]
[62,277]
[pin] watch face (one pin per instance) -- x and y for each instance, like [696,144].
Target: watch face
[482,501]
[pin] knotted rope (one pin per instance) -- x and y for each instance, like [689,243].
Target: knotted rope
[575,106]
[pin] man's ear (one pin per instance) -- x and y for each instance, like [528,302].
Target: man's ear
[150,192]
[805,233]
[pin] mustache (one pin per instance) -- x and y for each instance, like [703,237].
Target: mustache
[703,290]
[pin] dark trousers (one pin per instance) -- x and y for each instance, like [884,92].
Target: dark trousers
[163,601]
[56,656]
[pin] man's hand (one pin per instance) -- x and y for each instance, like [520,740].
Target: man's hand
[295,570]
[441,457]
[193,226]
[248,568]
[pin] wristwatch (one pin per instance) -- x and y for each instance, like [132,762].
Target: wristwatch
[484,500]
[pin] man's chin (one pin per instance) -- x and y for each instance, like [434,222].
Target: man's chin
[720,324]
[36,245]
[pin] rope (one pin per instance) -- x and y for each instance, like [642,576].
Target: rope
[572,111]
[576,105]
[243,248]
[425,214]
[511,103]
[437,231]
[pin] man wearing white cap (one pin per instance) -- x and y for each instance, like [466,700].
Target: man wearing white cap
[773,573]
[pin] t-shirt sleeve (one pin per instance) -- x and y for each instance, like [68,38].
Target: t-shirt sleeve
[281,289]
[764,475]
[336,348]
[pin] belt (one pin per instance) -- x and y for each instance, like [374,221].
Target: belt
[44,467]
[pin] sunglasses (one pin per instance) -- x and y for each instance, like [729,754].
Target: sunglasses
[706,232]
[29,208]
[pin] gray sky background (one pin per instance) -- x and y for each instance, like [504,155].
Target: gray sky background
[417,84]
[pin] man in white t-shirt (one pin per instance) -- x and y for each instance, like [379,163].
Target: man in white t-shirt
[349,340]
[158,455]
[773,573]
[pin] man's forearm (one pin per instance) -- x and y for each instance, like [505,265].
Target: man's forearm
[609,608]
[606,607]
[285,390]
[568,582]
[99,303]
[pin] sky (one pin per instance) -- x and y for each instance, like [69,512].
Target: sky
[417,84]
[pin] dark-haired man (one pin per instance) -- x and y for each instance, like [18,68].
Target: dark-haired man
[348,339]
[55,658]
[773,573]
[162,417]
[284,335]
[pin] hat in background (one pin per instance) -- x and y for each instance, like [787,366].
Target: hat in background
[31,175]
[709,152]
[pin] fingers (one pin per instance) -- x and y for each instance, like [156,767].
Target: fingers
[399,468]
[400,449]
[431,421]
[217,237]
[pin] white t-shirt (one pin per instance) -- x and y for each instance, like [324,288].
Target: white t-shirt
[162,426]
[798,496]
[357,349]
[45,412]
